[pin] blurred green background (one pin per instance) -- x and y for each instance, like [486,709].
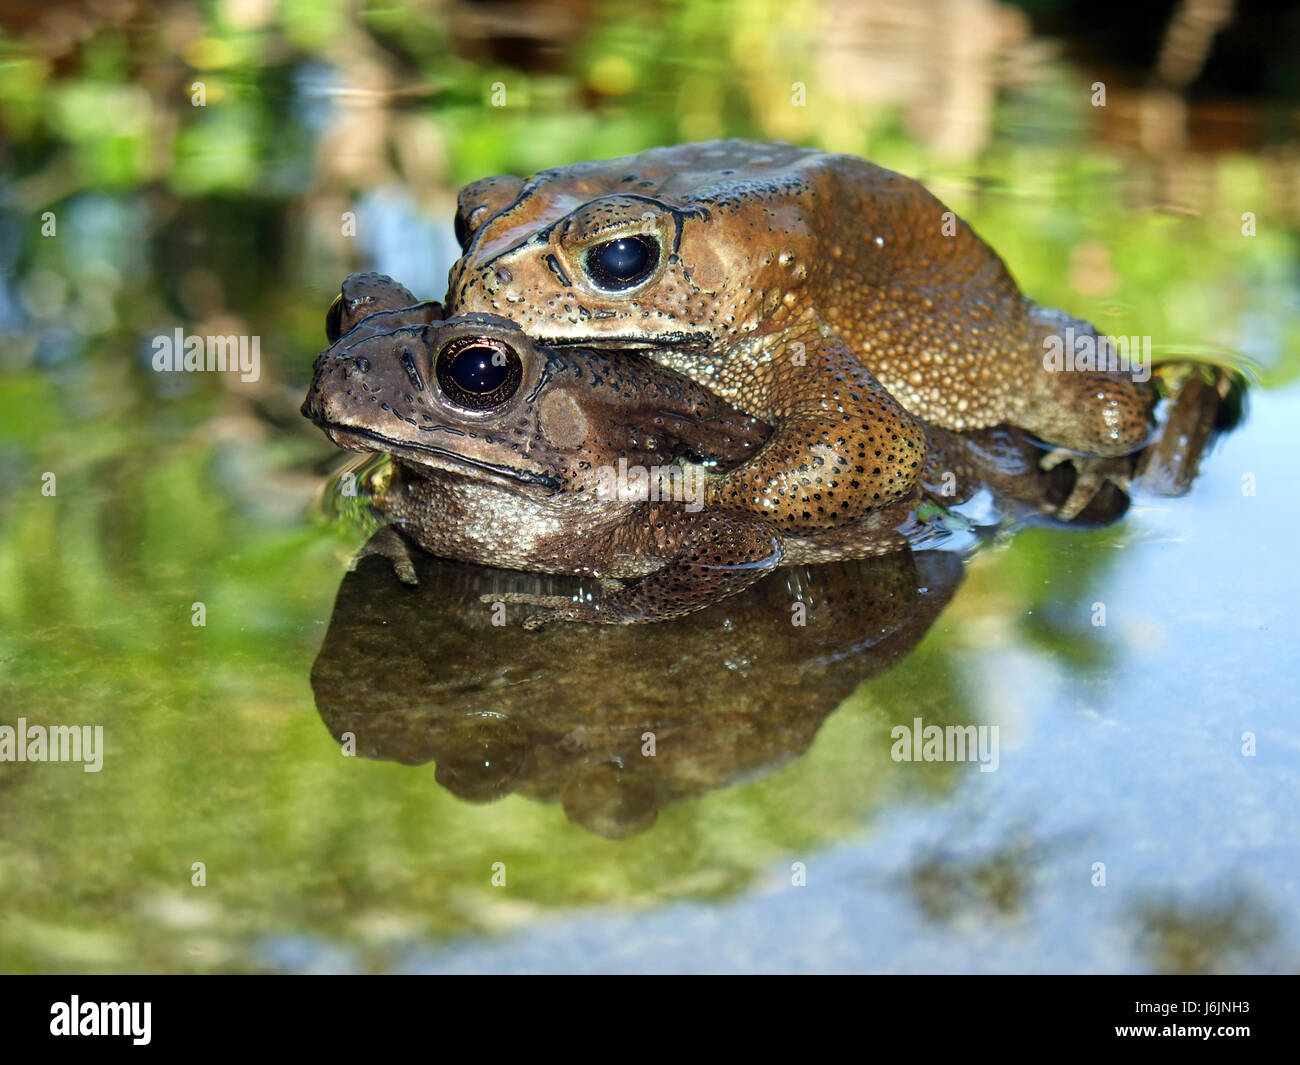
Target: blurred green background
[196,166]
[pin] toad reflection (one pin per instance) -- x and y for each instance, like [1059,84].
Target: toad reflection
[642,716]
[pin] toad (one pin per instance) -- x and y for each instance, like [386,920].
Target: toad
[525,457]
[838,301]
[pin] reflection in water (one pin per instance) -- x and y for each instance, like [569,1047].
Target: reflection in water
[615,722]
[1213,935]
[948,887]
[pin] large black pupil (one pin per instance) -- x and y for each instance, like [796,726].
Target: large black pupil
[473,370]
[623,262]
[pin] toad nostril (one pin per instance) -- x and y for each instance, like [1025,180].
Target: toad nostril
[361,363]
[504,276]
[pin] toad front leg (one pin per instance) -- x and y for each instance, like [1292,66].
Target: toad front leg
[842,446]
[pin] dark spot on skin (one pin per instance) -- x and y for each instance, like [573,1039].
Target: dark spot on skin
[553,265]
[412,371]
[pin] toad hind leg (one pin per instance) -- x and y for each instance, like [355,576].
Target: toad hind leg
[1104,411]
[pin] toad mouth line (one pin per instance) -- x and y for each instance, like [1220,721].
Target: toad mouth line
[339,433]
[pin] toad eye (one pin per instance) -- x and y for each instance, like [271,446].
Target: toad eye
[622,263]
[334,319]
[466,223]
[462,230]
[478,373]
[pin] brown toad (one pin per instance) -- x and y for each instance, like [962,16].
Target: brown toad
[838,301]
